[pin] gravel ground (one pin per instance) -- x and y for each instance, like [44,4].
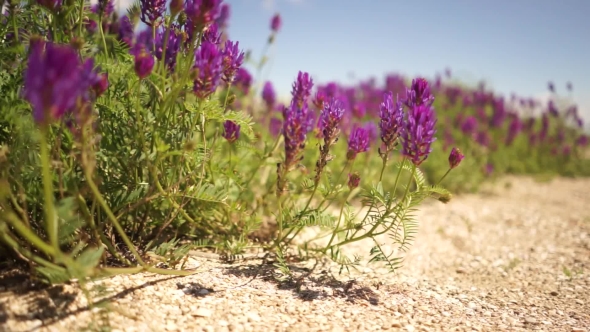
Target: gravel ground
[512,258]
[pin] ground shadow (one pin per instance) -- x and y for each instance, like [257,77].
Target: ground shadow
[51,303]
[307,284]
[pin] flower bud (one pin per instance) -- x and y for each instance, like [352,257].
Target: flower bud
[455,158]
[354,180]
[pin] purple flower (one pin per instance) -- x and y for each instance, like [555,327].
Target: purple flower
[318,101]
[202,12]
[269,95]
[54,80]
[489,169]
[295,129]
[418,133]
[105,7]
[499,114]
[358,142]
[101,84]
[275,126]
[126,30]
[275,23]
[224,14]
[329,120]
[569,86]
[302,89]
[552,109]
[212,34]
[152,11]
[144,63]
[52,5]
[544,126]
[391,121]
[483,138]
[469,125]
[172,46]
[419,93]
[551,86]
[513,130]
[354,180]
[455,158]
[232,60]
[231,131]
[372,129]
[176,7]
[208,66]
[243,80]
[582,140]
[359,110]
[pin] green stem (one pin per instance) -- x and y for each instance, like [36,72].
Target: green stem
[81,18]
[385,158]
[112,217]
[264,158]
[339,219]
[30,236]
[104,42]
[370,232]
[49,208]
[229,162]
[443,177]
[166,36]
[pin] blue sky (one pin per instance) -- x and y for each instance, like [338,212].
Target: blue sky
[516,46]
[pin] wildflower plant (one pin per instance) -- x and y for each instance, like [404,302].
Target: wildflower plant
[116,144]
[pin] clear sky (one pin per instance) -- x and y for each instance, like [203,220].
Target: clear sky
[516,46]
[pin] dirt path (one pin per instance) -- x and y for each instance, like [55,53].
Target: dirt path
[507,259]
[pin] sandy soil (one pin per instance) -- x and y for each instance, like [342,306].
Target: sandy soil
[515,257]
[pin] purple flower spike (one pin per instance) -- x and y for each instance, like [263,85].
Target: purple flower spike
[469,125]
[582,141]
[513,130]
[354,180]
[101,84]
[212,34]
[551,87]
[275,23]
[328,124]
[231,131]
[269,95]
[455,158]
[418,133]
[302,89]
[172,47]
[330,119]
[295,131]
[244,80]
[419,93]
[208,65]
[126,30]
[569,86]
[391,121]
[52,5]
[152,11]
[224,14]
[54,80]
[358,142]
[105,7]
[232,60]
[202,12]
[275,127]
[144,63]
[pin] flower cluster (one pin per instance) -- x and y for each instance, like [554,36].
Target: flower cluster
[57,82]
